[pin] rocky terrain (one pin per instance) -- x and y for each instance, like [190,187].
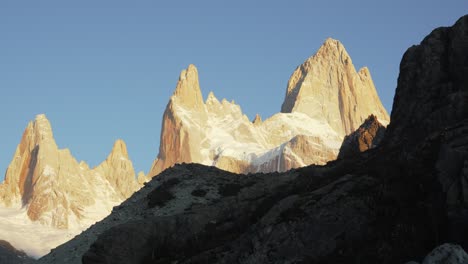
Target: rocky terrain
[326,99]
[390,204]
[9,254]
[447,254]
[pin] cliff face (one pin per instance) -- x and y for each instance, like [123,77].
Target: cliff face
[437,96]
[326,99]
[58,191]
[327,87]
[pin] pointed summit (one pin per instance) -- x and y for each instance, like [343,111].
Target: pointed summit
[119,149]
[211,99]
[187,92]
[332,51]
[118,170]
[40,129]
[42,122]
[327,87]
[257,120]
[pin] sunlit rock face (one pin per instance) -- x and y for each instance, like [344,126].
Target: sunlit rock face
[326,99]
[367,136]
[327,87]
[56,189]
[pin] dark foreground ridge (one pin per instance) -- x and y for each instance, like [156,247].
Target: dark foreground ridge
[391,204]
[9,254]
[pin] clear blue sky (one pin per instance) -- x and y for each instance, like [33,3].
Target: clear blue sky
[103,70]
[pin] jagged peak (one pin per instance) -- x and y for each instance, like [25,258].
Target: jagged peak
[226,102]
[190,72]
[332,42]
[371,119]
[40,117]
[257,119]
[330,71]
[42,127]
[211,98]
[332,50]
[188,91]
[119,149]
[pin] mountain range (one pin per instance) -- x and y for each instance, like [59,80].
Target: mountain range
[400,201]
[50,196]
[48,193]
[326,99]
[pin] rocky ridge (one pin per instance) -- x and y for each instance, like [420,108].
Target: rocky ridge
[318,111]
[390,204]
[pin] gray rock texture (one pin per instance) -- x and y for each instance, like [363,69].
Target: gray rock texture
[9,254]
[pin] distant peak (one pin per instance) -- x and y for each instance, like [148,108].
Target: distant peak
[41,117]
[333,51]
[42,128]
[211,98]
[190,73]
[141,178]
[257,120]
[119,148]
[331,41]
[188,91]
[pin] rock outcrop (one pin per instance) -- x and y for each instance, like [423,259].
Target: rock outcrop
[446,254]
[326,99]
[257,120]
[58,191]
[367,136]
[390,205]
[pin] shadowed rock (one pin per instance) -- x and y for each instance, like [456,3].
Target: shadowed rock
[9,254]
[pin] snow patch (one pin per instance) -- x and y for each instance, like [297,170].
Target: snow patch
[229,133]
[48,171]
